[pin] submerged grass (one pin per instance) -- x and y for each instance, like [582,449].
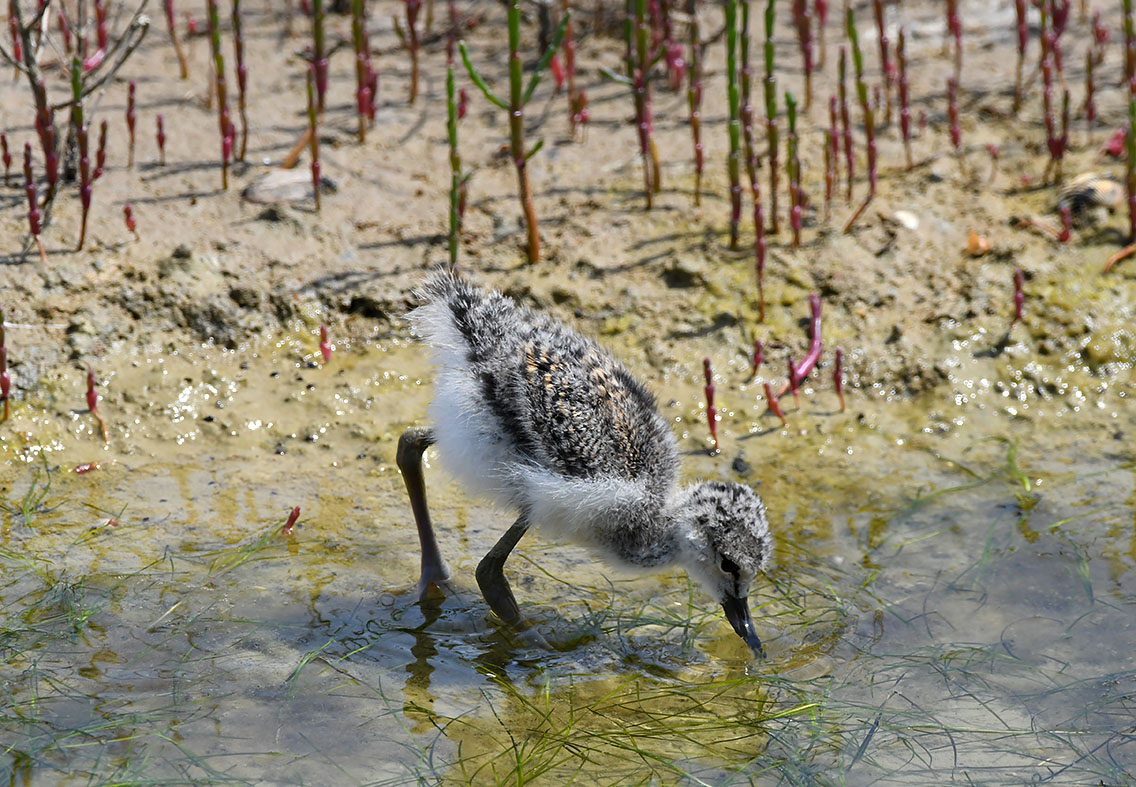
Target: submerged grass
[930,698]
[958,623]
[258,547]
[630,729]
[32,502]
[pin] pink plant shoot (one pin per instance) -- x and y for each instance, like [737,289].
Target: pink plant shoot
[85,181]
[64,28]
[676,65]
[34,218]
[171,24]
[1019,295]
[904,98]
[5,378]
[829,176]
[694,97]
[101,32]
[953,117]
[1066,233]
[885,58]
[1090,96]
[1058,20]
[711,411]
[834,139]
[794,385]
[774,407]
[1115,145]
[325,345]
[1130,136]
[954,28]
[838,376]
[820,11]
[746,115]
[798,372]
[580,114]
[313,134]
[758,357]
[641,94]
[569,48]
[410,42]
[92,392]
[101,156]
[14,32]
[1101,36]
[45,130]
[557,70]
[364,94]
[1023,42]
[224,123]
[738,96]
[320,54]
[93,404]
[1064,138]
[128,218]
[161,139]
[802,20]
[7,157]
[291,523]
[242,78]
[131,117]
[1054,141]
[846,122]
[994,152]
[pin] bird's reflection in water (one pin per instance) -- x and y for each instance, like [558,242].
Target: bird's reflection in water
[418,702]
[499,649]
[462,635]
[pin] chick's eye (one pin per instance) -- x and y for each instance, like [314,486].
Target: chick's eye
[729,566]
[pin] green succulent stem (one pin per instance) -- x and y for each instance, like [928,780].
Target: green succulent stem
[455,165]
[733,99]
[866,108]
[519,95]
[220,87]
[771,116]
[640,74]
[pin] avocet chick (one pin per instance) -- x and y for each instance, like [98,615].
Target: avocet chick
[544,421]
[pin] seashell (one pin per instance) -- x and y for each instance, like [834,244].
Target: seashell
[285,185]
[907,219]
[976,245]
[1091,190]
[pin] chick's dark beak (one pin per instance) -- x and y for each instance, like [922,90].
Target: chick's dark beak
[737,612]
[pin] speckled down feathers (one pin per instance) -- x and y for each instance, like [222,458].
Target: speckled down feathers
[733,519]
[544,420]
[561,401]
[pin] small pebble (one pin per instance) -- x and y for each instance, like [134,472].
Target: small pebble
[907,219]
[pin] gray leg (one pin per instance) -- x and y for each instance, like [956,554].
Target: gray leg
[491,574]
[411,445]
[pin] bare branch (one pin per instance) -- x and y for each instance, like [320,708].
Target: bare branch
[124,47]
[5,55]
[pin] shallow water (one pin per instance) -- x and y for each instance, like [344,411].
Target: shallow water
[952,597]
